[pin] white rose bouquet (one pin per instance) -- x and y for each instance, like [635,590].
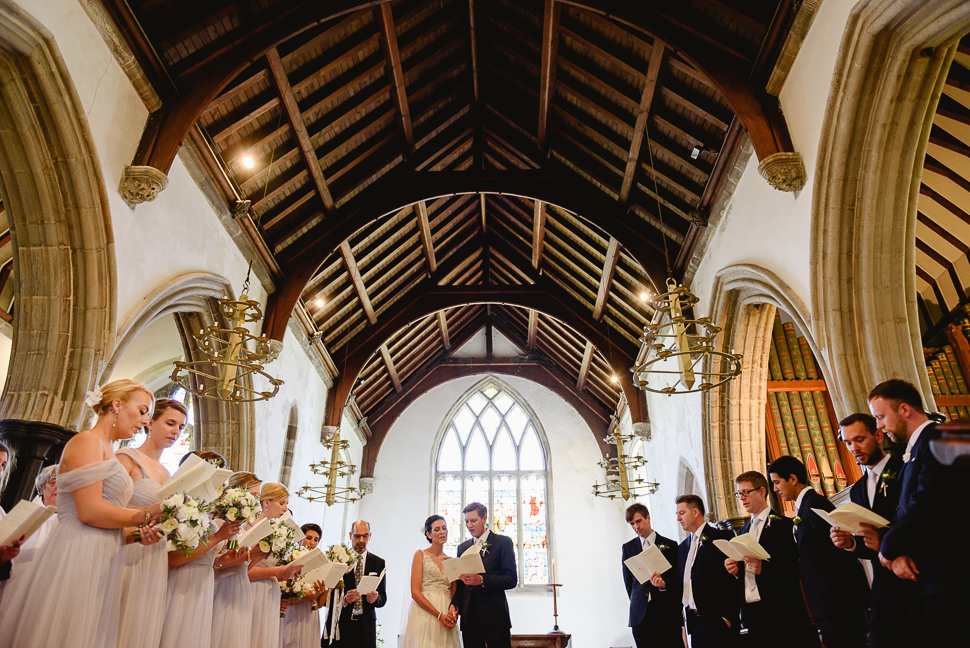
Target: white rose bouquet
[341,553]
[184,523]
[235,505]
[279,544]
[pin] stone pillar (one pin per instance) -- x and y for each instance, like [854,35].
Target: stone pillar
[35,443]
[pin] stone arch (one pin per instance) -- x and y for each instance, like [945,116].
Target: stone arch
[888,79]
[289,446]
[63,257]
[744,300]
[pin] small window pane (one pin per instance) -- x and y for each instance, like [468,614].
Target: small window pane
[476,490]
[490,421]
[476,453]
[534,544]
[464,421]
[503,452]
[530,452]
[517,419]
[504,402]
[490,391]
[504,517]
[450,456]
[449,507]
[477,402]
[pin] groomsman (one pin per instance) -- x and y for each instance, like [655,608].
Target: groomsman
[773,603]
[925,542]
[834,583]
[711,596]
[480,598]
[358,621]
[655,615]
[893,620]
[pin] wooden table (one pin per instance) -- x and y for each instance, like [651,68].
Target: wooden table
[551,640]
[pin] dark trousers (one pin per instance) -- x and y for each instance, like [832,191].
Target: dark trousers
[843,628]
[948,617]
[894,621]
[354,633]
[765,625]
[710,631]
[658,632]
[479,637]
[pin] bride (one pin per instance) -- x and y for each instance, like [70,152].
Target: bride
[429,624]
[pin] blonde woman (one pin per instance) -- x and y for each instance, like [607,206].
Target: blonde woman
[73,598]
[232,610]
[146,568]
[7,554]
[191,582]
[265,576]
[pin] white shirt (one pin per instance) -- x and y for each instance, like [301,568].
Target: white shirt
[912,440]
[872,475]
[695,541]
[801,496]
[758,522]
[480,540]
[648,541]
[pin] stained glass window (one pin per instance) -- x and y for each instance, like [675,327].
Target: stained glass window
[492,452]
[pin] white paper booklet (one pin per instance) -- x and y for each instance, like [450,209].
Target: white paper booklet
[330,574]
[256,533]
[741,547]
[647,563]
[290,522]
[312,560]
[194,477]
[850,515]
[24,520]
[369,583]
[219,477]
[470,562]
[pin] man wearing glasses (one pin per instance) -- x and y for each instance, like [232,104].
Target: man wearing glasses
[358,621]
[773,603]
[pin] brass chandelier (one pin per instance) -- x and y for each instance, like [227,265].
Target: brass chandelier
[231,353]
[621,479]
[334,469]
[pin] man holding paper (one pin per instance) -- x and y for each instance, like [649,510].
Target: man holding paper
[480,598]
[773,604]
[655,615]
[358,619]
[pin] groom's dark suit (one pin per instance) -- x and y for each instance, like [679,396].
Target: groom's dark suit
[485,619]
[655,615]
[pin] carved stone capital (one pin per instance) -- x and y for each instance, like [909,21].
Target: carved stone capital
[141,184]
[642,430]
[784,171]
[327,432]
[366,485]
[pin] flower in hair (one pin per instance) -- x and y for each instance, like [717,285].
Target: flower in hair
[93,398]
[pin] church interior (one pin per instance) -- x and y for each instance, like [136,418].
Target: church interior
[456,225]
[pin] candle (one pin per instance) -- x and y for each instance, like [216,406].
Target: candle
[553,571]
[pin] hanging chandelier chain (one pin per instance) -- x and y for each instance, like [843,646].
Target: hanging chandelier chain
[656,193]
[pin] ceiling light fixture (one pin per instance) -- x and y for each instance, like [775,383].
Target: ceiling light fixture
[248,162]
[318,303]
[644,296]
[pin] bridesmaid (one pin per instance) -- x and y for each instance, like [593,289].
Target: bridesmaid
[188,604]
[146,568]
[301,626]
[73,599]
[7,554]
[232,610]
[265,576]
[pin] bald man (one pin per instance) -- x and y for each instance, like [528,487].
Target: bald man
[358,621]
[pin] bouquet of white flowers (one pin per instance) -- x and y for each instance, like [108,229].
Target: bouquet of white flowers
[279,544]
[184,523]
[235,505]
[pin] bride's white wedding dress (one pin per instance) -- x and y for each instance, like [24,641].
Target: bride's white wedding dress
[423,629]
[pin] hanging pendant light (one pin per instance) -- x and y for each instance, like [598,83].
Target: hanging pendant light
[335,469]
[621,470]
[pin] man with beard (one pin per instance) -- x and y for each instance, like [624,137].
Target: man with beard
[924,543]
[358,621]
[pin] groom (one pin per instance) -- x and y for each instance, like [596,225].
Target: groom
[480,598]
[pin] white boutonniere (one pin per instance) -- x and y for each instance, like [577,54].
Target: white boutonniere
[484,548]
[907,456]
[771,517]
[662,547]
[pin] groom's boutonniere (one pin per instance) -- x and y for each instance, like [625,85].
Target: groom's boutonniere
[662,547]
[906,457]
[485,546]
[886,476]
[772,516]
[703,537]
[797,521]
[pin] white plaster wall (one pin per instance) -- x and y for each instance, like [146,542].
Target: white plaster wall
[586,531]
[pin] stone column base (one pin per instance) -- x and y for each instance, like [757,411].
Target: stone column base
[35,443]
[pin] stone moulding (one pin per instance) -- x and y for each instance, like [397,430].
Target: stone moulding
[783,171]
[141,184]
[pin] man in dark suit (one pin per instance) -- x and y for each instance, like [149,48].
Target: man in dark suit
[358,621]
[655,614]
[711,596]
[773,603]
[925,541]
[480,598]
[893,620]
[834,582]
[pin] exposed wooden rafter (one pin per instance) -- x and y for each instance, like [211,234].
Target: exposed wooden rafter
[391,369]
[443,328]
[348,256]
[424,231]
[643,114]
[396,73]
[538,232]
[584,367]
[533,328]
[547,68]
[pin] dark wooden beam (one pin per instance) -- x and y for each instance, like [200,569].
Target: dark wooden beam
[488,338]
[533,328]
[424,231]
[473,43]
[443,327]
[547,69]
[538,232]
[584,367]
[643,113]
[391,369]
[295,117]
[396,73]
[776,386]
[606,279]
[358,281]
[945,203]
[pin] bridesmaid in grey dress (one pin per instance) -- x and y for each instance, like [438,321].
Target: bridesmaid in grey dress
[146,568]
[188,603]
[232,611]
[300,628]
[83,555]
[265,575]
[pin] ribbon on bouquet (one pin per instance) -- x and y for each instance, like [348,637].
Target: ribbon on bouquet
[331,632]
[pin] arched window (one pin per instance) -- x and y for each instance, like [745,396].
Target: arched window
[492,450]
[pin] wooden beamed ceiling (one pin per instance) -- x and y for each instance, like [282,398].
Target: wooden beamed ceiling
[389,147]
